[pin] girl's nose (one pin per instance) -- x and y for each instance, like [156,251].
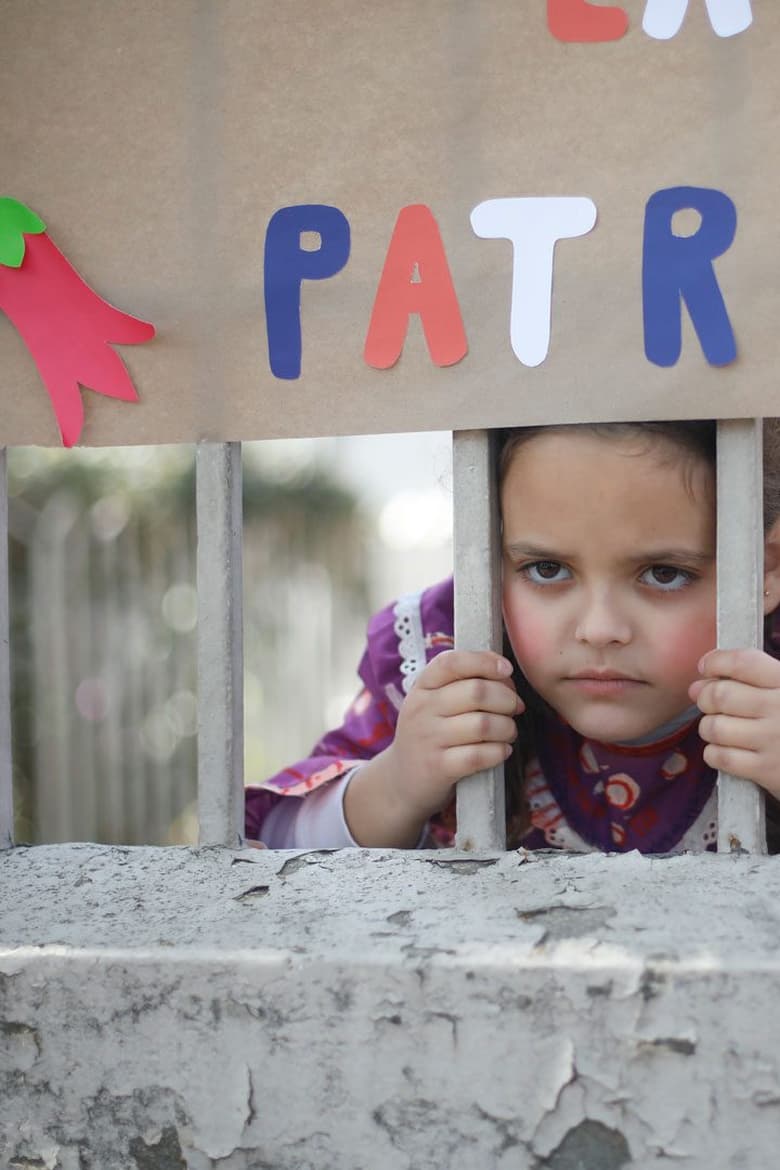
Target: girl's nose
[602,623]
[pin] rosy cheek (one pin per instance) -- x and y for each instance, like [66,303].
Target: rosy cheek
[682,652]
[529,639]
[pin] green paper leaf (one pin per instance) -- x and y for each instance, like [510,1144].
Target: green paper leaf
[15,220]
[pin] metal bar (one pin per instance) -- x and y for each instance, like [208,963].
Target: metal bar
[741,821]
[478,625]
[6,761]
[220,645]
[114,669]
[56,770]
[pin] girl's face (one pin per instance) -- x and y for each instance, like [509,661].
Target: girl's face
[609,576]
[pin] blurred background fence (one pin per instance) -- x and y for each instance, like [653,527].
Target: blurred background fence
[103,615]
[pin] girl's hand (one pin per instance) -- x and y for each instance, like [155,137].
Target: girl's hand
[739,693]
[457,719]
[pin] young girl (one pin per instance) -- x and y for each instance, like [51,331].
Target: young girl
[610,706]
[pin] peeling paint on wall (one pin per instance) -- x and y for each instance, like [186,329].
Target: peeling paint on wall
[373,1010]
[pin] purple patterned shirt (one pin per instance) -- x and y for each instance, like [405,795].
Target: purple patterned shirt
[583,795]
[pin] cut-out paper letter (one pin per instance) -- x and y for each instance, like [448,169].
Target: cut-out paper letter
[288,264]
[663,18]
[534,225]
[679,268]
[66,326]
[415,279]
[577,20]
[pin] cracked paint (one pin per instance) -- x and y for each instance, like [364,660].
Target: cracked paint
[590,1146]
[164,1153]
[368,1015]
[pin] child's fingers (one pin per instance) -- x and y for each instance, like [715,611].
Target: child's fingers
[739,693]
[742,747]
[748,666]
[454,665]
[736,761]
[467,759]
[478,727]
[733,698]
[478,694]
[729,731]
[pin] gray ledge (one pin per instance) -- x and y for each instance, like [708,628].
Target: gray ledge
[202,1008]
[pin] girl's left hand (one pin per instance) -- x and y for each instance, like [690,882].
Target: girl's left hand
[739,694]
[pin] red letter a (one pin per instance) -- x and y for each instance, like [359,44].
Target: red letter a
[415,244]
[576,20]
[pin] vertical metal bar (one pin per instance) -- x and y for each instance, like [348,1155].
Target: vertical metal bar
[81,605]
[478,626]
[156,690]
[6,762]
[56,755]
[741,822]
[220,645]
[114,669]
[135,597]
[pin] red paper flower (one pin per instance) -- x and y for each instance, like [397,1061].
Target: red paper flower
[67,327]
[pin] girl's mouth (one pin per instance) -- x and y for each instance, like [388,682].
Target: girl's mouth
[603,682]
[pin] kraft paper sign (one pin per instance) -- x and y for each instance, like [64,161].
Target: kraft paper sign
[239,219]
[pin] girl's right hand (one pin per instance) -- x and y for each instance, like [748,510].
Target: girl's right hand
[458,718]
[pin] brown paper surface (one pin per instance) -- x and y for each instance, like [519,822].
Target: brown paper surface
[156,140]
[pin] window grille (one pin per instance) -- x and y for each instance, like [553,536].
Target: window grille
[480,798]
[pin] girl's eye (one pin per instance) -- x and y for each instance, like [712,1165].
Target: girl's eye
[545,572]
[666,577]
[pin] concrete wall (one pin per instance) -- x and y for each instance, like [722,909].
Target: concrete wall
[373,1011]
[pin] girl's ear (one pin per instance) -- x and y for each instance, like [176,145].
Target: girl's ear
[772,568]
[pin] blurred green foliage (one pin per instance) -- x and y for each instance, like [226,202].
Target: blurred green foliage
[292,516]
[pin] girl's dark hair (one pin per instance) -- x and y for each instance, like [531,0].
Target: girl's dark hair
[695,440]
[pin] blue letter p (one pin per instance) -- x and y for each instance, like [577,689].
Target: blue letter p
[287,264]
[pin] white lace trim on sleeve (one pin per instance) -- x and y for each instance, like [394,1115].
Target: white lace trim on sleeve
[411,640]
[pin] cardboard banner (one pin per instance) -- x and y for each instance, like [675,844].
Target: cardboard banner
[243,220]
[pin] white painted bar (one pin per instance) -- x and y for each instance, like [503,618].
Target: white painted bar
[6,763]
[480,798]
[220,645]
[741,821]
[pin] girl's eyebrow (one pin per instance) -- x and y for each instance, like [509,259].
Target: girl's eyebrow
[676,556]
[666,555]
[533,550]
